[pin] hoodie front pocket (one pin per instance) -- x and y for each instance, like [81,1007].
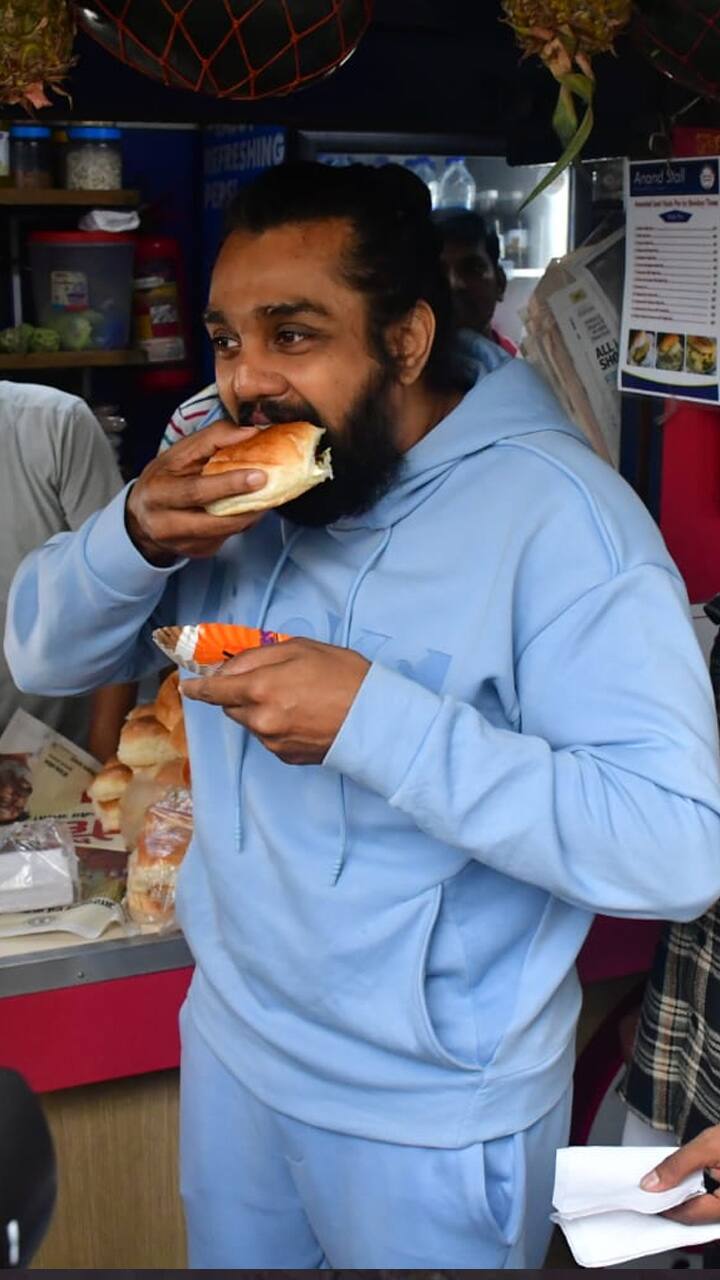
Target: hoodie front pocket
[425,1027]
[495,1176]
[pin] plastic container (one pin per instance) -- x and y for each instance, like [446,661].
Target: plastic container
[159,323]
[82,286]
[457,186]
[30,155]
[517,243]
[93,158]
[425,170]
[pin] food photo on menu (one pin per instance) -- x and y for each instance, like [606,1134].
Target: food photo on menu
[701,354]
[641,348]
[670,351]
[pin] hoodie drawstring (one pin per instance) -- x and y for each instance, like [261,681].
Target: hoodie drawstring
[264,606]
[360,577]
[344,640]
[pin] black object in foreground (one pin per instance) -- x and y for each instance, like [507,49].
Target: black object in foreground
[27,1171]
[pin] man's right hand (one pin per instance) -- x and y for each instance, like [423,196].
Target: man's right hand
[165,512]
[702,1153]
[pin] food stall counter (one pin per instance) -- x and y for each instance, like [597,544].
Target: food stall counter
[75,1013]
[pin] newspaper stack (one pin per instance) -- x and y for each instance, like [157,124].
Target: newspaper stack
[573,333]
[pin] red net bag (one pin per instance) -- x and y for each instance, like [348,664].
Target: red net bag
[229,48]
[682,37]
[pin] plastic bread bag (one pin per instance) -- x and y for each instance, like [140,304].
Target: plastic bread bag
[203,648]
[147,787]
[38,866]
[153,865]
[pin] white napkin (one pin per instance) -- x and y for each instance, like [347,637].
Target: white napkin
[109,220]
[604,1214]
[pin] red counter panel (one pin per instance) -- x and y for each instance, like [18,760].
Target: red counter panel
[102,1031]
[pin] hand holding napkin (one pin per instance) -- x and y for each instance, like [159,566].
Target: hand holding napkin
[605,1215]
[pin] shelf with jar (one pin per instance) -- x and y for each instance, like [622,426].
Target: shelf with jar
[64,157]
[25,363]
[77,285]
[58,197]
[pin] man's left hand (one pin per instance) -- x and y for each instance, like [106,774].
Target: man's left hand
[292,696]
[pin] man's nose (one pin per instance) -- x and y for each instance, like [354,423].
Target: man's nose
[255,378]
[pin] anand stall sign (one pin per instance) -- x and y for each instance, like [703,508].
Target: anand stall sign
[670,321]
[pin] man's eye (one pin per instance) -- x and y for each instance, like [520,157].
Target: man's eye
[291,337]
[224,342]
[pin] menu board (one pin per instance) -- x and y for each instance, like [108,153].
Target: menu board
[670,323]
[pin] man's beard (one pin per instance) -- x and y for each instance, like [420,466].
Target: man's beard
[365,459]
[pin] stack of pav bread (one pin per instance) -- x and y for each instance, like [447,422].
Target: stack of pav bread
[151,762]
[152,744]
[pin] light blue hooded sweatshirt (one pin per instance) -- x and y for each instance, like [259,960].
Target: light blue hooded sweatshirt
[386,942]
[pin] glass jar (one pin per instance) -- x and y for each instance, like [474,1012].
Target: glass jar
[59,142]
[30,158]
[113,424]
[93,158]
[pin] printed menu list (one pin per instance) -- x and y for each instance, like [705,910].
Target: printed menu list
[670,323]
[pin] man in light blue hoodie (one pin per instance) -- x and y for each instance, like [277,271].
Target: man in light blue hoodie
[504,724]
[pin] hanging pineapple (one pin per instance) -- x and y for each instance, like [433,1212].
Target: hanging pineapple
[36,40]
[566,35]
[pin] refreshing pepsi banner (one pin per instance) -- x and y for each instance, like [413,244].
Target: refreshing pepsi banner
[233,156]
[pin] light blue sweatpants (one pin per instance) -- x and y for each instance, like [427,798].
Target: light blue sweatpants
[263,1190]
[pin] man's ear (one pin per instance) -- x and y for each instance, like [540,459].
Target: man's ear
[501,282]
[410,342]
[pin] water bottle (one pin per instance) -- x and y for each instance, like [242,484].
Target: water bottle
[457,186]
[424,168]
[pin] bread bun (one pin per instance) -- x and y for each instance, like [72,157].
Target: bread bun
[151,890]
[108,811]
[153,865]
[285,451]
[141,712]
[669,342]
[174,774]
[168,706]
[178,738]
[111,781]
[144,743]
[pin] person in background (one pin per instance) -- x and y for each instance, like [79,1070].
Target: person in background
[491,721]
[672,1085]
[56,468]
[189,416]
[471,254]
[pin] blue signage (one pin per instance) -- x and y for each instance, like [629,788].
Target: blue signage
[233,156]
[674,177]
